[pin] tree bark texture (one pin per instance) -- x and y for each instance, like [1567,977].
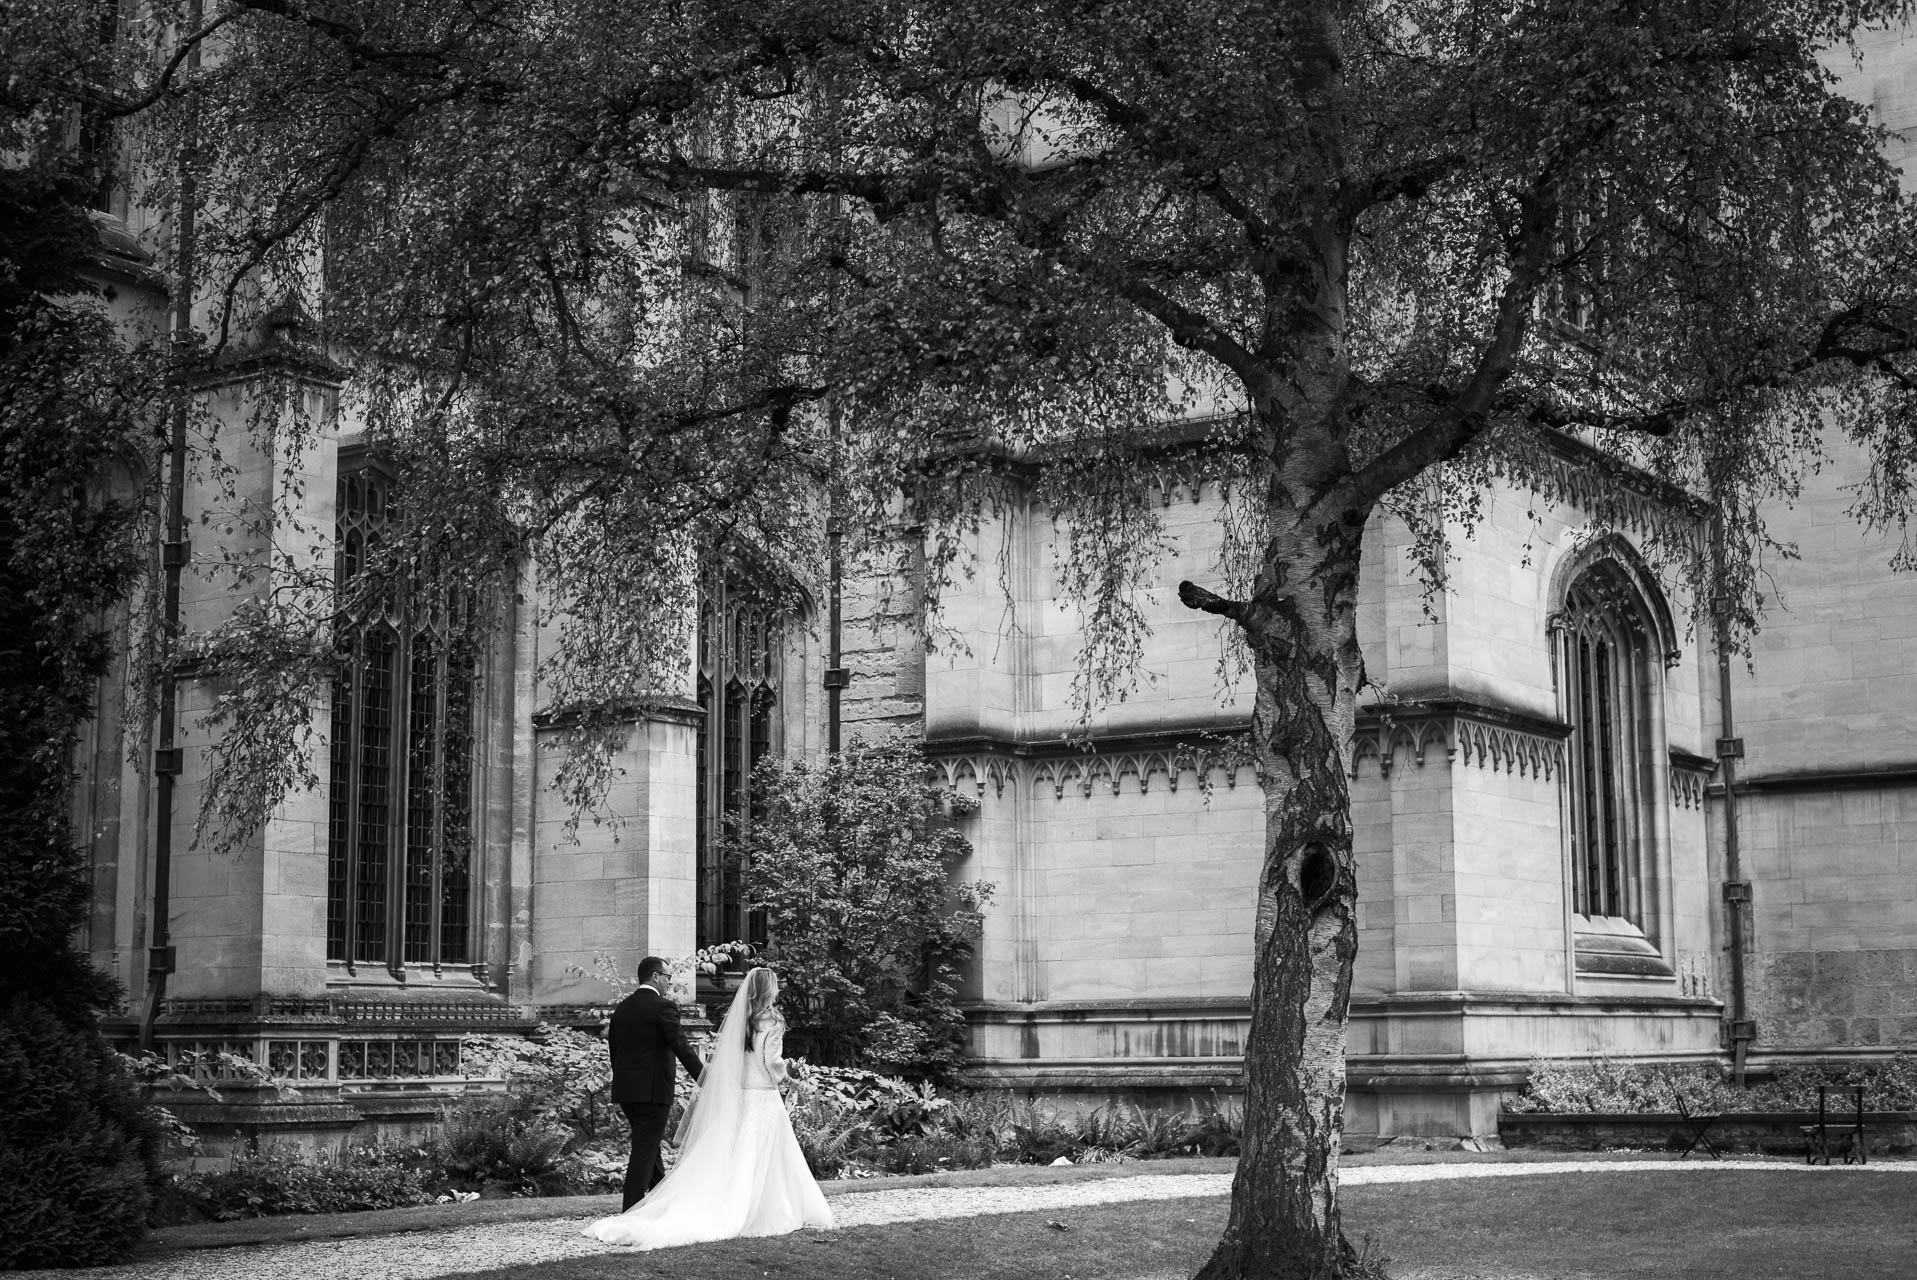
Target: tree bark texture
[1301,626]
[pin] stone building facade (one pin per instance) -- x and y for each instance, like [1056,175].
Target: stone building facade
[1528,796]
[1543,830]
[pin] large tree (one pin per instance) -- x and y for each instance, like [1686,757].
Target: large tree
[629,280]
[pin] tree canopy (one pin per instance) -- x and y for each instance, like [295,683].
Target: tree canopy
[625,283]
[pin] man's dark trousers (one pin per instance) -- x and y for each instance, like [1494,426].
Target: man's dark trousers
[644,1168]
[644,1038]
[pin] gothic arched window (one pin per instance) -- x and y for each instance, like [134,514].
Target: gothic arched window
[738,692]
[1605,684]
[1612,638]
[399,831]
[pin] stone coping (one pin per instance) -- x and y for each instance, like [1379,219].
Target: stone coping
[1365,1004]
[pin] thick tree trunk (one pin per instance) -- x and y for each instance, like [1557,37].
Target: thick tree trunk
[1301,626]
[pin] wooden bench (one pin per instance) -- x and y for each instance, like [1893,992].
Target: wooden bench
[1822,1138]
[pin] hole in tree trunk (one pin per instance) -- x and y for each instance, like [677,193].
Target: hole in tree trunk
[1317,875]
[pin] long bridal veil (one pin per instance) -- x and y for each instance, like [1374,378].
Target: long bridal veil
[713,1113]
[740,1171]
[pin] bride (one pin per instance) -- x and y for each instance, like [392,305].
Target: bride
[740,1171]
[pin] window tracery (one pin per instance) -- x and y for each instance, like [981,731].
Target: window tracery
[738,695]
[399,830]
[1610,643]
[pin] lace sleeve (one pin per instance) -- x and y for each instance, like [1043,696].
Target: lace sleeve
[771,1047]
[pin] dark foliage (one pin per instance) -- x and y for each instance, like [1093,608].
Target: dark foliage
[853,862]
[508,1144]
[78,1158]
[282,1182]
[77,1148]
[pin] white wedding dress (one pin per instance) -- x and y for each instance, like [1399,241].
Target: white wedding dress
[740,1170]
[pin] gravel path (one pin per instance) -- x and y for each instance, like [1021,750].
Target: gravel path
[419,1254]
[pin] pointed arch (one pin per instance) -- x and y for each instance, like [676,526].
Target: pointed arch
[1632,581]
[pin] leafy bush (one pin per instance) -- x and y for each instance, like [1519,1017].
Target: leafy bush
[1218,1129]
[851,861]
[1039,1135]
[562,1074]
[1601,1086]
[932,1153]
[598,1167]
[1888,1086]
[192,1071]
[78,1159]
[286,1181]
[1162,1134]
[78,1152]
[503,1143]
[826,1135]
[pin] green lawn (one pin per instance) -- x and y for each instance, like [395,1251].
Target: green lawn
[1715,1225]
[1693,1225]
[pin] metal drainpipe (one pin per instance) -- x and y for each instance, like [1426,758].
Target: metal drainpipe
[1730,749]
[173,558]
[836,677]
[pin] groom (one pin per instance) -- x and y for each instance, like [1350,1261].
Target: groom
[644,1038]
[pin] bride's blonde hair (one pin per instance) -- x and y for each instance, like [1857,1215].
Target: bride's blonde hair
[762,993]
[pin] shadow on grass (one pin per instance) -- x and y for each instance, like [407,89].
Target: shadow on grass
[1685,1225]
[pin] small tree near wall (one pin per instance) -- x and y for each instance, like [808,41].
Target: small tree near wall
[851,860]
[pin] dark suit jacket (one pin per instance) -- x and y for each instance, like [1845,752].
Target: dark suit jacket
[644,1038]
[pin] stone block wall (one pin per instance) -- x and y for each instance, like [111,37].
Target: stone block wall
[251,919]
[1825,1000]
[1827,710]
[1010,665]
[1144,891]
[619,883]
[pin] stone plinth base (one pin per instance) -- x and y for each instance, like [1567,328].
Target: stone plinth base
[1425,1065]
[1438,1064]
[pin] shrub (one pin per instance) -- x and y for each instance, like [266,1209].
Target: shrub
[1107,1133]
[932,1153]
[1218,1128]
[596,1168]
[1036,1134]
[78,1160]
[78,1153]
[1601,1086]
[851,861]
[827,1134]
[983,1117]
[285,1181]
[504,1144]
[1888,1086]
[1163,1133]
[562,1074]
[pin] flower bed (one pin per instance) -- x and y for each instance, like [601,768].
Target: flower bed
[554,1135]
[1600,1086]
[852,1123]
[1756,1132]
[1598,1104]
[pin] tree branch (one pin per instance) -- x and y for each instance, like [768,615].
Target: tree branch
[890,193]
[1193,596]
[115,110]
[1407,181]
[1460,418]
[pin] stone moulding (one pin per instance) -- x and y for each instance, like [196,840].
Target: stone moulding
[338,1011]
[1062,763]
[1468,732]
[1690,775]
